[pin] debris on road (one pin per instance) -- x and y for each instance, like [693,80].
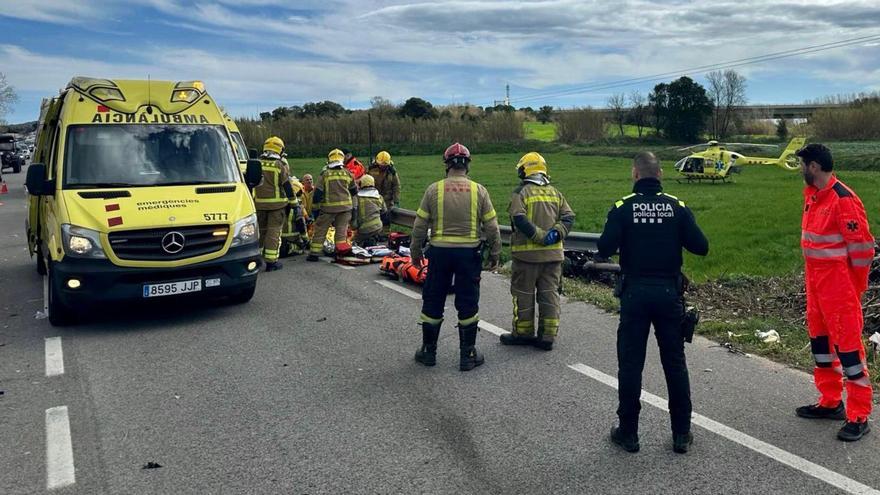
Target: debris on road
[768,337]
[151,465]
[319,320]
[41,315]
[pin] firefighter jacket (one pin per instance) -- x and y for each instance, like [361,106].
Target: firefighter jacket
[371,212]
[387,183]
[835,232]
[274,191]
[334,189]
[356,168]
[650,228]
[457,210]
[535,208]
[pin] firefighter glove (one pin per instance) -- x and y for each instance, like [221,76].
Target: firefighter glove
[552,237]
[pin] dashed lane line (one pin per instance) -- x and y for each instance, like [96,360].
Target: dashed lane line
[54,357]
[60,471]
[782,456]
[485,325]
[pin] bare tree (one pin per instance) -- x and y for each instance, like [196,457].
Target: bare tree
[727,90]
[7,97]
[617,106]
[638,106]
[382,106]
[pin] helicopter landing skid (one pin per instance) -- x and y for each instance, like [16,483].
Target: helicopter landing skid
[699,180]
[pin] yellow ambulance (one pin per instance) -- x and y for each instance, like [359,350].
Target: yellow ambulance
[136,193]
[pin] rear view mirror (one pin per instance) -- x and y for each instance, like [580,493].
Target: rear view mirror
[254,173]
[253,153]
[36,182]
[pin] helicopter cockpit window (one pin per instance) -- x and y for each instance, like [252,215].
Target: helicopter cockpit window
[692,165]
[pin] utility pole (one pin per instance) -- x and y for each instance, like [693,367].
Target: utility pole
[507,95]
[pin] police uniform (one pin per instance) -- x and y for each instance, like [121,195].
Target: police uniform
[456,210]
[332,197]
[650,228]
[371,216]
[271,198]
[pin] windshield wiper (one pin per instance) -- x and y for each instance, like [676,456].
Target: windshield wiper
[100,185]
[189,183]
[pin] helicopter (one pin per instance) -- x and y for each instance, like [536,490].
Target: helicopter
[717,163]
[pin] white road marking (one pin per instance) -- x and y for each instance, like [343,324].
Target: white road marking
[54,357]
[344,267]
[835,479]
[397,288]
[59,450]
[492,328]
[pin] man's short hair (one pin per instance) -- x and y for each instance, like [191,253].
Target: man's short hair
[646,164]
[819,153]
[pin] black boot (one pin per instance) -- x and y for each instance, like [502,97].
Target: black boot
[854,430]
[516,339]
[470,358]
[427,354]
[815,411]
[627,441]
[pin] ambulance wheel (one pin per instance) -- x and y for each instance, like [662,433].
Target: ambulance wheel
[59,314]
[244,295]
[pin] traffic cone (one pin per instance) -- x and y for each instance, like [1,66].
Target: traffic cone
[3,188]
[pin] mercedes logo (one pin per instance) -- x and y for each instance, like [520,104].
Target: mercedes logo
[173,242]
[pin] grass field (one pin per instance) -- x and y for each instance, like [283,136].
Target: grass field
[540,132]
[753,225]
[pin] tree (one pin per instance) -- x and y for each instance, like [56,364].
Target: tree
[638,110]
[8,96]
[680,109]
[265,116]
[727,90]
[545,114]
[382,106]
[325,108]
[417,108]
[617,107]
[280,113]
[782,129]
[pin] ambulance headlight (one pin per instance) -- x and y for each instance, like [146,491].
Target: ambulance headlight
[245,231]
[80,242]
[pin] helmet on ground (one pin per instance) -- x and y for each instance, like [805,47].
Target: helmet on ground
[367,180]
[532,163]
[335,155]
[274,144]
[456,154]
[384,158]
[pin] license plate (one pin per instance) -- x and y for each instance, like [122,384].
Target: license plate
[172,288]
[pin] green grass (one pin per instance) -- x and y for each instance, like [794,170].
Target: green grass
[628,130]
[540,132]
[753,225]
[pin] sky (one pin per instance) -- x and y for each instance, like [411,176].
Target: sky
[256,55]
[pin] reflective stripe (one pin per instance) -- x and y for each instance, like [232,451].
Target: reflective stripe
[861,261]
[454,239]
[490,215]
[542,199]
[862,382]
[825,253]
[619,203]
[534,246]
[469,321]
[423,214]
[860,246]
[824,358]
[809,236]
[854,369]
[427,319]
[474,210]
[441,188]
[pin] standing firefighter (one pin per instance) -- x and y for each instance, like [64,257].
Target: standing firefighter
[386,178]
[332,205]
[650,228]
[271,198]
[838,250]
[456,209]
[541,218]
[371,213]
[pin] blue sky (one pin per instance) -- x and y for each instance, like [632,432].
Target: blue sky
[255,55]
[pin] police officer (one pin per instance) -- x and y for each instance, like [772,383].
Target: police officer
[457,210]
[271,198]
[650,228]
[332,205]
[371,213]
[541,218]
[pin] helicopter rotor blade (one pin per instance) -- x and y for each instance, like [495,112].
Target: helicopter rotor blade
[692,147]
[753,144]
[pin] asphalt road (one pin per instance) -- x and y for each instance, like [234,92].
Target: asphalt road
[311,388]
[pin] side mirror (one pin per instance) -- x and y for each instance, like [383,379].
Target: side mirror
[36,182]
[252,176]
[253,153]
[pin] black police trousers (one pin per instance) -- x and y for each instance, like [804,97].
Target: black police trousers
[644,303]
[444,264]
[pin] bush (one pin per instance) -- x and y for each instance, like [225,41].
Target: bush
[857,122]
[580,126]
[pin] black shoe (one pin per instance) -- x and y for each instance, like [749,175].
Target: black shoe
[427,354]
[853,431]
[470,357]
[544,345]
[815,411]
[312,257]
[681,442]
[514,339]
[629,443]
[274,265]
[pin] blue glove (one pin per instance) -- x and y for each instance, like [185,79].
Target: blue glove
[315,214]
[552,237]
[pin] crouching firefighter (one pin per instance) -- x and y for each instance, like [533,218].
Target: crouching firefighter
[371,213]
[332,205]
[294,237]
[271,198]
[541,218]
[457,210]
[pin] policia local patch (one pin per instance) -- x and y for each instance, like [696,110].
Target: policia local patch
[652,212]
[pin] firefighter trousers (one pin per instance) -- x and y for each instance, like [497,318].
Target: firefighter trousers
[835,321]
[462,264]
[339,221]
[642,304]
[271,222]
[530,281]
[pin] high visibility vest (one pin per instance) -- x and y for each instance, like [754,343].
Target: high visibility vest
[269,195]
[336,183]
[456,213]
[369,214]
[542,209]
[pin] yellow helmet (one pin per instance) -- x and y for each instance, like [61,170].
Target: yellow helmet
[532,163]
[274,144]
[335,155]
[367,180]
[384,158]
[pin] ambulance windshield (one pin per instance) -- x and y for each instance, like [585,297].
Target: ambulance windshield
[147,155]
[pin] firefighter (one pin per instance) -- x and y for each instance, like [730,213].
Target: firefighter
[353,165]
[332,205]
[308,189]
[371,213]
[271,198]
[838,249]
[457,210]
[650,228]
[387,181]
[294,239]
[540,218]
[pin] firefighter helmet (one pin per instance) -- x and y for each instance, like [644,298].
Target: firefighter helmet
[335,155]
[532,163]
[274,144]
[367,181]
[457,154]
[384,158]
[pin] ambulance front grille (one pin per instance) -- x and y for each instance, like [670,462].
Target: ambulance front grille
[147,244]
